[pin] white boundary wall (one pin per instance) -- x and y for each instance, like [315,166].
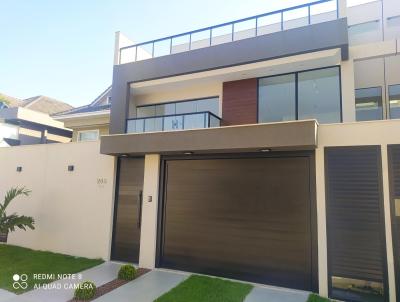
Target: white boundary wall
[73,209]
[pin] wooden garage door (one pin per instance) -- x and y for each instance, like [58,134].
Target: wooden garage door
[244,218]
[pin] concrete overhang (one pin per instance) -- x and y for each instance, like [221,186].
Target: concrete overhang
[294,135]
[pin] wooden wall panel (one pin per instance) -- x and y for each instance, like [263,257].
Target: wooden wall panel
[239,103]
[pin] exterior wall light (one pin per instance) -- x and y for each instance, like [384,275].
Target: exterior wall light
[265,150]
[188,153]
[70,168]
[19,169]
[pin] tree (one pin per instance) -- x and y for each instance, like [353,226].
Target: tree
[8,223]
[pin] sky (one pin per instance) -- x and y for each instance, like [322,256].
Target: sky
[64,49]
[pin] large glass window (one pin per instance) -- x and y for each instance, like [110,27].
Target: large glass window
[182,107]
[145,111]
[369,104]
[394,101]
[319,95]
[277,98]
[313,94]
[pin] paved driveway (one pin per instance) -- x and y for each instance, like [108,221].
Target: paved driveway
[146,288]
[5,295]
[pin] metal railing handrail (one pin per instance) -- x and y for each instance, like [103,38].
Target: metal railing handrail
[232,23]
[171,115]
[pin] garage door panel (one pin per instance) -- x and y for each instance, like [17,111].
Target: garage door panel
[243,218]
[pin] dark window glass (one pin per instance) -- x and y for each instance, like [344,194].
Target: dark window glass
[319,95]
[211,105]
[165,109]
[394,101]
[369,104]
[145,111]
[277,99]
[185,107]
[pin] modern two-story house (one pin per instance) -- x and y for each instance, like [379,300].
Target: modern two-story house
[265,149]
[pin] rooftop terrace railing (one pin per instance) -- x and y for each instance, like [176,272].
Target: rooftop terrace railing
[297,16]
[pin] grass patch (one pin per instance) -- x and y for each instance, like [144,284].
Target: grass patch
[19,260]
[206,289]
[317,298]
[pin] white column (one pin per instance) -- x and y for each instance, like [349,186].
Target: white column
[388,224]
[120,41]
[348,94]
[148,233]
[342,7]
[321,221]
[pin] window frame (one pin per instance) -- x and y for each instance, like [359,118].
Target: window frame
[296,74]
[85,131]
[382,103]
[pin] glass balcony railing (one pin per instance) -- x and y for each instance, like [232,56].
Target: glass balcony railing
[186,121]
[292,17]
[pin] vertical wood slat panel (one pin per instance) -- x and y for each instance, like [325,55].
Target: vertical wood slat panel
[355,226]
[126,241]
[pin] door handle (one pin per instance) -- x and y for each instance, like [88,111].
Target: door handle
[140,202]
[397,207]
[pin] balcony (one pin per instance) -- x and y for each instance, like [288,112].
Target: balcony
[293,17]
[173,122]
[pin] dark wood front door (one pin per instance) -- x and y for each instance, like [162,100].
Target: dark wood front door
[127,210]
[244,218]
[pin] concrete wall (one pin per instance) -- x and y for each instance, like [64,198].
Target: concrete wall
[73,210]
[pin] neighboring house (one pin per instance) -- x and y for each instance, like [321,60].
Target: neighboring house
[27,122]
[90,121]
[44,104]
[8,101]
[21,126]
[40,103]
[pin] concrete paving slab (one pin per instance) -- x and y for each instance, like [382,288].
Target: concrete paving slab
[269,294]
[146,288]
[5,295]
[62,291]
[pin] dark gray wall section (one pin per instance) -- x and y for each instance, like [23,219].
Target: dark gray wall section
[317,37]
